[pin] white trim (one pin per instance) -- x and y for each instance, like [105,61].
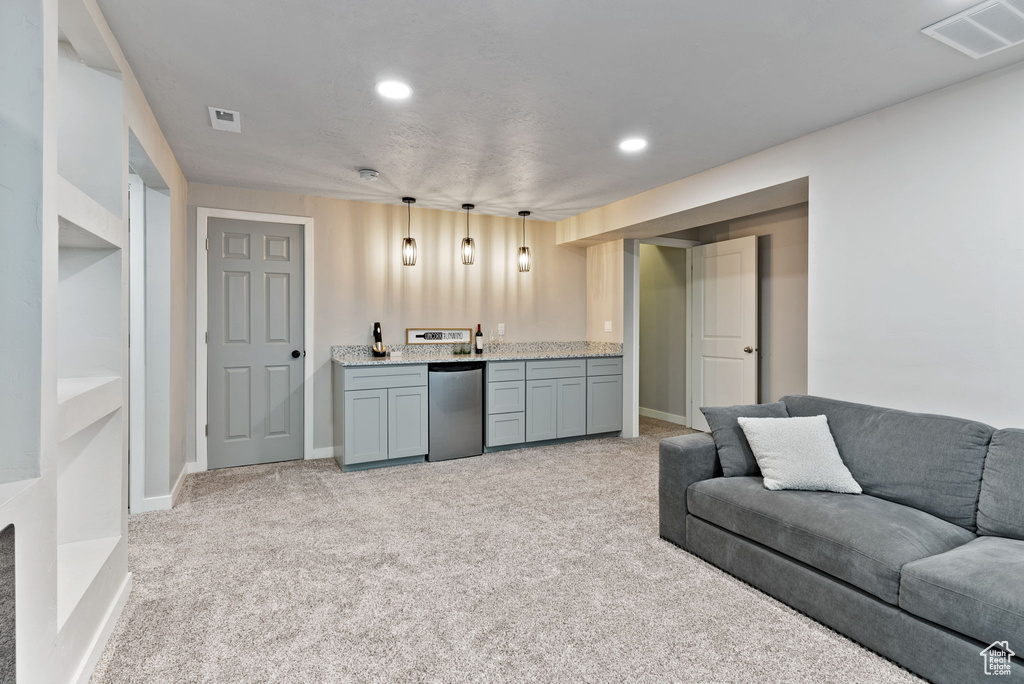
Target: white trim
[661,415]
[689,338]
[99,641]
[176,490]
[669,242]
[148,504]
[323,452]
[631,338]
[192,467]
[137,348]
[203,214]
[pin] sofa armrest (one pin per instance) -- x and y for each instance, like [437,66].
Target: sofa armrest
[682,461]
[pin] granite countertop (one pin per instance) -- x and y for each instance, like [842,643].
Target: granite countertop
[508,351]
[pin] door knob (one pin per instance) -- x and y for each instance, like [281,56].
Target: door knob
[749,350]
[296,353]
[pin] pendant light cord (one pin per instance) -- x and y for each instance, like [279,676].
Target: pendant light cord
[408,225]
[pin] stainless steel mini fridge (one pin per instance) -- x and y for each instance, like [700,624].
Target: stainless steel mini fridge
[456,405]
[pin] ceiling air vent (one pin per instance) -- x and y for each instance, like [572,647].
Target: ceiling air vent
[225,120]
[983,29]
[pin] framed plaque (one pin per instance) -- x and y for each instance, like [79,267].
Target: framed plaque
[438,335]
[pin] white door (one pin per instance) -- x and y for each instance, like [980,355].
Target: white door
[255,342]
[723,338]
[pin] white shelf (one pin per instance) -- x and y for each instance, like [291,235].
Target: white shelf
[84,223]
[83,401]
[78,565]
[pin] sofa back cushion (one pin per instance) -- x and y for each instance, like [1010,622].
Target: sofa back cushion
[932,463]
[733,450]
[1001,505]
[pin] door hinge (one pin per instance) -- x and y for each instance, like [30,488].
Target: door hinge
[206,337]
[207,430]
[207,244]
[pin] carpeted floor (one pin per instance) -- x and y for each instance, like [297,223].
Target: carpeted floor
[538,565]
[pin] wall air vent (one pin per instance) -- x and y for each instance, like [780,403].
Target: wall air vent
[227,120]
[983,29]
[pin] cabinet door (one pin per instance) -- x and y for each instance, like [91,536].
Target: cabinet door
[541,410]
[407,422]
[506,428]
[604,404]
[366,426]
[572,407]
[506,397]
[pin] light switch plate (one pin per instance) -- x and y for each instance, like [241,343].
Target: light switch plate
[501,328]
[607,326]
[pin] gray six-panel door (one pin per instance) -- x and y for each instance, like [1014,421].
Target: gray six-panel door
[255,348]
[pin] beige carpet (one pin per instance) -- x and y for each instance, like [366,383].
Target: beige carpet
[539,565]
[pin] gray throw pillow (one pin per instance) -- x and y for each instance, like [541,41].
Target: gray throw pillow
[733,451]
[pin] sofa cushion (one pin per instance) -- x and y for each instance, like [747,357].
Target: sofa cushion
[973,589]
[862,540]
[733,450]
[933,463]
[1001,505]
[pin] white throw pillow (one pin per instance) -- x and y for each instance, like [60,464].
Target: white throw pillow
[798,453]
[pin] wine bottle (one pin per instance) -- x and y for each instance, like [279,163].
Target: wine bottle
[479,340]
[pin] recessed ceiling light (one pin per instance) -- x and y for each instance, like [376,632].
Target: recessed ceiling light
[394,90]
[632,144]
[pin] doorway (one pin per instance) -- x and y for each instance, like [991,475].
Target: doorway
[254,327]
[779,352]
[152,482]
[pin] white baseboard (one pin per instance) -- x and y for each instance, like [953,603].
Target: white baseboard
[192,467]
[152,503]
[177,486]
[105,630]
[323,452]
[661,415]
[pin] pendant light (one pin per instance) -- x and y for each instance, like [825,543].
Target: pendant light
[408,243]
[468,246]
[524,251]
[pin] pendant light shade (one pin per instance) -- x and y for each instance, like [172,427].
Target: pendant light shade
[408,243]
[524,251]
[468,246]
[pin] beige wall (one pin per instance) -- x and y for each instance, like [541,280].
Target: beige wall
[359,277]
[663,329]
[902,310]
[782,291]
[604,291]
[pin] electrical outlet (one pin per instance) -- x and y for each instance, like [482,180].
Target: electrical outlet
[501,328]
[607,326]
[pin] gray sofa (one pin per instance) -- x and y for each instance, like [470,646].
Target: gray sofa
[926,567]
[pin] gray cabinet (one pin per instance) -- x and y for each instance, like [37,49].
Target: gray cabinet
[407,422]
[604,404]
[380,414]
[572,407]
[366,426]
[506,428]
[541,410]
[506,397]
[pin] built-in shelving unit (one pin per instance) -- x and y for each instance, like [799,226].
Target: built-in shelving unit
[91,425]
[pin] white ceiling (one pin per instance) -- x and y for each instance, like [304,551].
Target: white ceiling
[517,105]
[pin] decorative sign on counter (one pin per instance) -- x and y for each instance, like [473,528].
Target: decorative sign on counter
[438,335]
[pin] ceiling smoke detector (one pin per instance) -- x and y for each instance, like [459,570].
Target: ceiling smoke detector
[983,29]
[368,174]
[225,120]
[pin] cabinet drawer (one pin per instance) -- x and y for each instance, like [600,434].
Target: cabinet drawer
[506,397]
[384,377]
[506,428]
[555,368]
[505,371]
[611,365]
